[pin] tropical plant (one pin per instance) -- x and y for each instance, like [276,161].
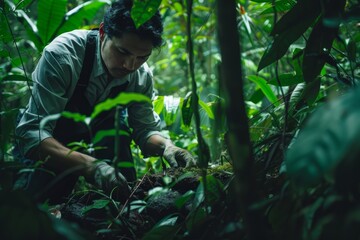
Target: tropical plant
[246,79]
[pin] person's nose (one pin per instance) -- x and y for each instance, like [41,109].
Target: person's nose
[130,63]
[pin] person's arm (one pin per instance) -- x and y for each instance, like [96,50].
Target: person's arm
[146,126]
[59,158]
[53,86]
[157,145]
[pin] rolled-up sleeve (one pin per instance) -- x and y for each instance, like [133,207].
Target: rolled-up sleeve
[142,118]
[51,80]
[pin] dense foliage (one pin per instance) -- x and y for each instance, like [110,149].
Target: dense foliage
[252,88]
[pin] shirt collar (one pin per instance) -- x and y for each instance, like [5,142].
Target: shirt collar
[99,67]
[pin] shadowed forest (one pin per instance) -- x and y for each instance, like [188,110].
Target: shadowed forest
[264,95]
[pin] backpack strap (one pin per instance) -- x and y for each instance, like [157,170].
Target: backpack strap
[78,98]
[77,102]
[88,60]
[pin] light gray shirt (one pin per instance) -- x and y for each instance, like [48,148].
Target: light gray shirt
[54,81]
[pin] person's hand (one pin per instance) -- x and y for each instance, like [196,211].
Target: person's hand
[178,157]
[111,181]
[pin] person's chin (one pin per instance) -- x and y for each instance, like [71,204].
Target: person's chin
[119,73]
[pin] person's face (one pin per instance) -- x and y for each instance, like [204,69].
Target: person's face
[123,55]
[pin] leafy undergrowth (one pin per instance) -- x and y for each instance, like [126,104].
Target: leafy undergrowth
[161,204]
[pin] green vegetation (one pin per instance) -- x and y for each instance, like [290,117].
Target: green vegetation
[244,85]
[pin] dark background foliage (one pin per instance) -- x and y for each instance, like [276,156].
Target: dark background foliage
[262,86]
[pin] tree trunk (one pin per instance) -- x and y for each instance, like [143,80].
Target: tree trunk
[238,139]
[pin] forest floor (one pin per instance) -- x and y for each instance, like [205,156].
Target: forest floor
[107,219]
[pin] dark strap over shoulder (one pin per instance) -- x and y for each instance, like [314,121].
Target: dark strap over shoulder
[88,59]
[78,98]
[78,102]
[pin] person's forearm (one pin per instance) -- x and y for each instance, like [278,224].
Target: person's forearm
[155,145]
[59,158]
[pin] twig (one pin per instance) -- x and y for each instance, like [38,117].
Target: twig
[127,201]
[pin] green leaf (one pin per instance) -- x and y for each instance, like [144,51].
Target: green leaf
[181,201]
[169,220]
[214,189]
[196,218]
[288,29]
[98,204]
[172,105]
[158,104]
[319,45]
[207,109]
[51,15]
[305,93]
[330,137]
[5,34]
[85,11]
[187,110]
[199,197]
[23,4]
[143,10]
[296,94]
[14,77]
[164,232]
[303,11]
[122,99]
[265,88]
[287,79]
[125,165]
[105,133]
[28,24]
[280,6]
[138,205]
[77,117]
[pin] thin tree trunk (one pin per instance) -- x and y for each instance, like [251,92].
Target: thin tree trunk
[240,149]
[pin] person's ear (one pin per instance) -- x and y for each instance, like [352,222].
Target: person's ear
[101,32]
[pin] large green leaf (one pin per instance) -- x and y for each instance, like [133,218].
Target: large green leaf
[51,15]
[158,104]
[320,41]
[288,29]
[122,99]
[265,88]
[25,20]
[86,11]
[171,105]
[310,92]
[304,10]
[143,10]
[207,109]
[105,133]
[330,136]
[5,35]
[31,29]
[287,79]
[162,231]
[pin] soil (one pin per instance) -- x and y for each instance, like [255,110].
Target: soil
[107,223]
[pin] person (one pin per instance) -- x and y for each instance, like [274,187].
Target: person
[63,81]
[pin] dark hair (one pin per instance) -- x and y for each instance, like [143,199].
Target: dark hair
[117,21]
